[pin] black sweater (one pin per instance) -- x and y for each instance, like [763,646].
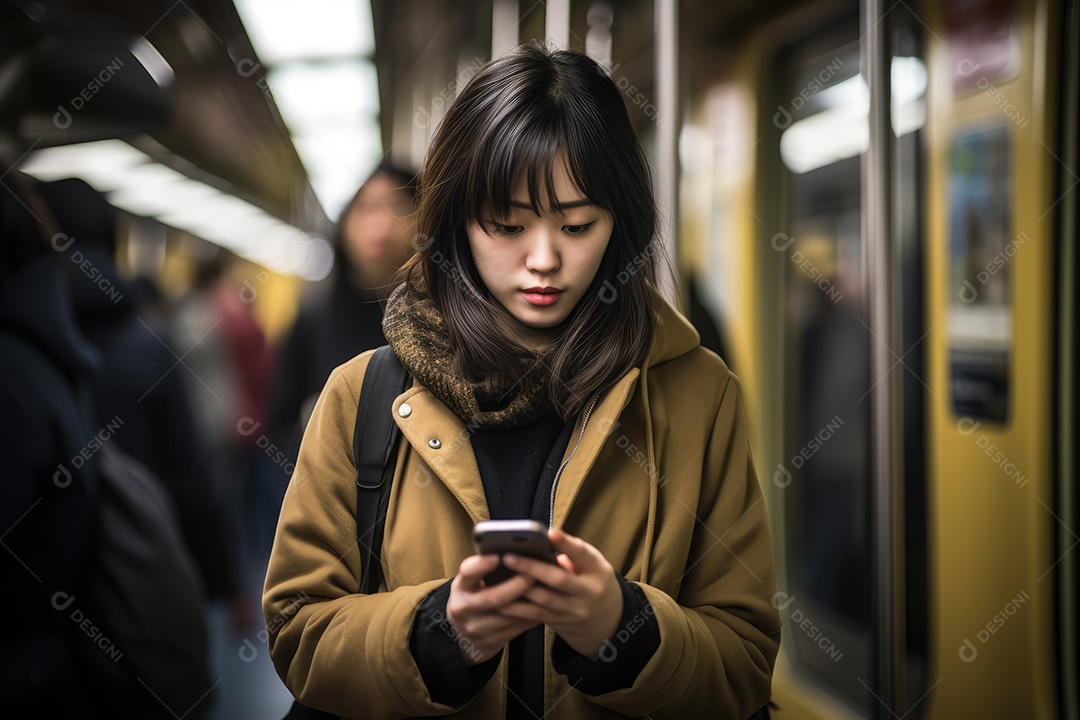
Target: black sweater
[517,467]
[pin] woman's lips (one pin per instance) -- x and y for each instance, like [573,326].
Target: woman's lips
[541,296]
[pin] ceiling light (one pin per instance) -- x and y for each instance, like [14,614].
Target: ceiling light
[137,184]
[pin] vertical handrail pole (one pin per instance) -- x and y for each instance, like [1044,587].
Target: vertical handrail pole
[882,267]
[666,18]
[557,23]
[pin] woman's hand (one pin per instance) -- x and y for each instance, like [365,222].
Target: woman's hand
[473,610]
[580,599]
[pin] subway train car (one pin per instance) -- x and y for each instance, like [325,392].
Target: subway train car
[877,203]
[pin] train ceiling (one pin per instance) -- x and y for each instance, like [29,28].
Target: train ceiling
[223,123]
[273,114]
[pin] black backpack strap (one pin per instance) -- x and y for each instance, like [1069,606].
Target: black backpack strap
[384,380]
[375,438]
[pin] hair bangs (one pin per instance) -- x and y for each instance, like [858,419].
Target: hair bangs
[526,147]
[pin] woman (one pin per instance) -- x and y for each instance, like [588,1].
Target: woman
[371,243]
[551,382]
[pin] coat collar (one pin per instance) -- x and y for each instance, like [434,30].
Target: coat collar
[443,441]
[603,420]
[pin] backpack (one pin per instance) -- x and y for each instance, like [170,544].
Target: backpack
[134,623]
[384,380]
[142,590]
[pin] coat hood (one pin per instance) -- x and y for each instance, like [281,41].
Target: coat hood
[102,298]
[35,304]
[674,335]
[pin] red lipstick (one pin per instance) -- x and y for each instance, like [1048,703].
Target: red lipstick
[541,295]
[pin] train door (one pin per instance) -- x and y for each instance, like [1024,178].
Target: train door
[827,467]
[984,270]
[999,180]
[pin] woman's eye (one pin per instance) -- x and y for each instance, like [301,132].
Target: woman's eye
[578,229]
[501,229]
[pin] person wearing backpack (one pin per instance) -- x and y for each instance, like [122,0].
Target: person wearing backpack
[137,386]
[549,380]
[46,526]
[103,601]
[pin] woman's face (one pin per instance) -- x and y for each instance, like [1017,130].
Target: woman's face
[538,267]
[376,231]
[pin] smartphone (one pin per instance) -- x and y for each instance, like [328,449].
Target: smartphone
[521,537]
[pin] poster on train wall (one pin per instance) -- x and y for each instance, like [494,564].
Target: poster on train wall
[982,245]
[983,38]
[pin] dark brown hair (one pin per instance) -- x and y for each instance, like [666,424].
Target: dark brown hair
[517,115]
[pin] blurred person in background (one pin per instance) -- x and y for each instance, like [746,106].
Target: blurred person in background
[230,354]
[46,528]
[373,240]
[708,327]
[141,381]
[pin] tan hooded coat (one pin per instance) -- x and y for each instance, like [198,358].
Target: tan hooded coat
[661,481]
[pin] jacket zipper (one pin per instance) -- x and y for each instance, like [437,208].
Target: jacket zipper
[558,473]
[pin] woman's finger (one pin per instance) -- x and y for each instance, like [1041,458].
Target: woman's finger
[552,601]
[554,576]
[473,569]
[525,610]
[586,557]
[489,626]
[496,596]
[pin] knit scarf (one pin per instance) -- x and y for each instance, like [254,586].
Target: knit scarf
[417,333]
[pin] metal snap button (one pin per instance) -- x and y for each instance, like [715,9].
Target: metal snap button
[404,410]
[434,443]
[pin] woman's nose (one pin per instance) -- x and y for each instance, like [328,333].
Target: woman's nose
[543,256]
